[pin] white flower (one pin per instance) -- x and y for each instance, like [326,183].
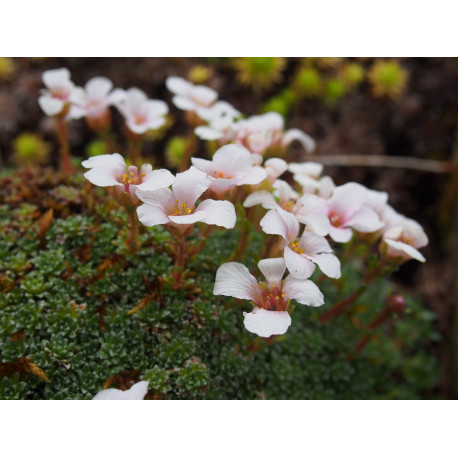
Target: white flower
[347,209]
[140,113]
[232,165]
[188,96]
[301,254]
[403,240]
[271,300]
[136,392]
[56,98]
[177,206]
[111,170]
[93,101]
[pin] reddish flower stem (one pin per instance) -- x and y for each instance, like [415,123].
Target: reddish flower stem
[62,133]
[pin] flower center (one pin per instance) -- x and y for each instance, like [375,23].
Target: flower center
[181,209]
[295,247]
[139,119]
[287,205]
[220,175]
[406,240]
[60,94]
[270,297]
[130,178]
[335,218]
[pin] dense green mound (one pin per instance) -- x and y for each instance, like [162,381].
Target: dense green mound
[77,312]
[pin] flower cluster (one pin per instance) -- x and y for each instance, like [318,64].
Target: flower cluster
[303,214]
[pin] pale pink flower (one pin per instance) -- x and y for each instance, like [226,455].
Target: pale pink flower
[55,99]
[403,240]
[177,206]
[93,100]
[111,170]
[306,208]
[262,132]
[301,254]
[190,97]
[347,209]
[220,109]
[271,300]
[274,166]
[221,129]
[140,113]
[232,165]
[137,392]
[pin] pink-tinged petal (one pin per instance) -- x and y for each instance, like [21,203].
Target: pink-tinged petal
[303,291]
[341,235]
[296,134]
[234,279]
[311,169]
[401,249]
[117,97]
[190,185]
[101,177]
[263,198]
[78,96]
[136,393]
[317,222]
[272,269]
[188,219]
[415,232]
[254,176]
[220,186]
[284,191]
[156,179]
[76,112]
[161,198]
[309,184]
[151,215]
[204,95]
[275,167]
[104,160]
[282,223]
[204,165]
[178,85]
[135,127]
[348,199]
[207,133]
[391,217]
[266,323]
[313,243]
[376,200]
[55,78]
[98,88]
[365,220]
[184,103]
[328,264]
[50,105]
[233,160]
[327,187]
[218,212]
[299,266]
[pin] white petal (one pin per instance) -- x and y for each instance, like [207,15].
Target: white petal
[104,160]
[150,215]
[156,179]
[101,177]
[272,269]
[190,185]
[57,78]
[348,198]
[178,85]
[296,134]
[234,279]
[365,220]
[207,133]
[339,234]
[219,212]
[188,219]
[280,222]
[254,176]
[261,197]
[184,103]
[313,243]
[233,160]
[98,88]
[50,105]
[275,167]
[328,263]
[136,393]
[317,222]
[403,249]
[299,266]
[311,169]
[303,291]
[266,323]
